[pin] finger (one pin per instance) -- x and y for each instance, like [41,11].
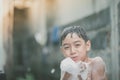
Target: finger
[79,77]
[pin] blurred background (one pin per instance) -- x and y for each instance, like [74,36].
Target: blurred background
[30,29]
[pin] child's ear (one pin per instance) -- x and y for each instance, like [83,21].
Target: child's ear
[88,44]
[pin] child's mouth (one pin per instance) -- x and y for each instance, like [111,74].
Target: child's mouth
[74,58]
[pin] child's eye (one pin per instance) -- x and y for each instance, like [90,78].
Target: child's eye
[66,48]
[77,45]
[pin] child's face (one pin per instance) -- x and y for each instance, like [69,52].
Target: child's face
[75,47]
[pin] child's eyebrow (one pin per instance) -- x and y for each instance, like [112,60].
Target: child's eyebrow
[77,42]
[65,44]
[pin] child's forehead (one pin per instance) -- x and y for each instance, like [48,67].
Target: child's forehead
[72,36]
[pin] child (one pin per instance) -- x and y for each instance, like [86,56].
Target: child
[75,46]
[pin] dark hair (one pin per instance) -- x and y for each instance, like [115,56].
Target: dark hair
[74,29]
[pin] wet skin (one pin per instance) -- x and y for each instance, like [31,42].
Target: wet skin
[77,49]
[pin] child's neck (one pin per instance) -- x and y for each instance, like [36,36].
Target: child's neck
[87,60]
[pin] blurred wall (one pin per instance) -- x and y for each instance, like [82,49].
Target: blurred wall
[6,24]
[37,20]
[2,52]
[72,10]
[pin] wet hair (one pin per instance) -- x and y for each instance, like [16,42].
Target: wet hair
[74,29]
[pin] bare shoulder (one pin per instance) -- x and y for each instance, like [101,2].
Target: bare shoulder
[98,69]
[98,65]
[97,60]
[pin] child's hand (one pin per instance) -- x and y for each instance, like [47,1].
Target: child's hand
[68,65]
[75,69]
[83,69]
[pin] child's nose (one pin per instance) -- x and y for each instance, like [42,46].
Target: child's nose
[72,50]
